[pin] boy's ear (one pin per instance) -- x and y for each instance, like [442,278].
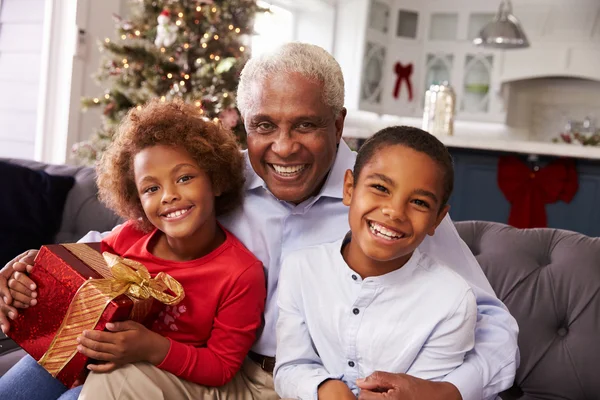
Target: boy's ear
[438,220]
[348,187]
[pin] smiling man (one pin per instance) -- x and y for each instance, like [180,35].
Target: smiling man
[291,100]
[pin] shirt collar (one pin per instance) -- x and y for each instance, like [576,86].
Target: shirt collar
[391,278]
[334,183]
[253,181]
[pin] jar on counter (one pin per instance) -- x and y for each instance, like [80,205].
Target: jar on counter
[438,112]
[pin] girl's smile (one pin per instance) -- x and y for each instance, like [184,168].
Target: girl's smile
[176,213]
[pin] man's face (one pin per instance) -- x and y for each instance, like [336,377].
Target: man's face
[292,135]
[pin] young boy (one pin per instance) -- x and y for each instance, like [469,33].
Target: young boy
[372,301]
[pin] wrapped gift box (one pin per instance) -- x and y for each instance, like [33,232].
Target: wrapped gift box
[59,272]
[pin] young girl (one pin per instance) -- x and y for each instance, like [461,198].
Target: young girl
[170,173]
[372,301]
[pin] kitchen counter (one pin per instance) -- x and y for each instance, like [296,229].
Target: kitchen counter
[472,135]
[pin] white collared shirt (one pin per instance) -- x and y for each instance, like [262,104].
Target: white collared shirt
[419,319]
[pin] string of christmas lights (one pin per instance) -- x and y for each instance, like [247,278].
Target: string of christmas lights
[189,49]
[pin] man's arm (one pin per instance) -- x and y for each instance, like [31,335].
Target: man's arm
[494,359]
[299,371]
[23,264]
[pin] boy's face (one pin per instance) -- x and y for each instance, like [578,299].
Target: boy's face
[394,204]
[176,194]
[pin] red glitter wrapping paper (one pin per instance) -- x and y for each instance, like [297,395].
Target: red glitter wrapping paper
[59,274]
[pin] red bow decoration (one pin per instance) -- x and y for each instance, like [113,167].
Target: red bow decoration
[529,191]
[403,72]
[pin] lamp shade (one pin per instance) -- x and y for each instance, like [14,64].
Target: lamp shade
[504,31]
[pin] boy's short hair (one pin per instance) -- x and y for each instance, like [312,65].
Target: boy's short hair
[413,138]
[175,124]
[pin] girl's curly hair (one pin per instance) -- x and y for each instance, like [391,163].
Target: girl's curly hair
[174,124]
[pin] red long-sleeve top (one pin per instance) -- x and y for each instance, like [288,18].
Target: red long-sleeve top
[212,329]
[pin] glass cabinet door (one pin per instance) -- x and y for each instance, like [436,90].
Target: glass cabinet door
[372,77]
[438,69]
[477,80]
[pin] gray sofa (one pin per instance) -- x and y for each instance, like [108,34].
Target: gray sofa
[549,279]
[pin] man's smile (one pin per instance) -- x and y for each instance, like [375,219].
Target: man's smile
[288,171]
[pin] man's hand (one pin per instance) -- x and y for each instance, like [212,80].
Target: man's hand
[127,342]
[384,385]
[23,263]
[335,390]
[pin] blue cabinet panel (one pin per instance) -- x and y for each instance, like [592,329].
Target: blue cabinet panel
[477,196]
[582,214]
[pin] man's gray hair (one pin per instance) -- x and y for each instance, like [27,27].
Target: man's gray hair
[308,60]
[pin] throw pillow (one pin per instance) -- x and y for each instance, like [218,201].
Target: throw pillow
[31,206]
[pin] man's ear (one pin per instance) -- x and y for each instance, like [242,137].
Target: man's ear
[339,125]
[348,187]
[438,220]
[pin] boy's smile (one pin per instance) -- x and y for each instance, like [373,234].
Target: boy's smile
[394,205]
[385,232]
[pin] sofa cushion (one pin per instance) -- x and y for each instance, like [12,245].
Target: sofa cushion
[31,208]
[550,281]
[83,210]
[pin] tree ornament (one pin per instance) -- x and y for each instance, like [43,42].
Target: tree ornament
[166,31]
[229,118]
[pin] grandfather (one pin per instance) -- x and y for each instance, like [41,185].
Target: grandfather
[291,101]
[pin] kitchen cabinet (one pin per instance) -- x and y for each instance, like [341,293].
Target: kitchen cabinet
[477,196]
[391,51]
[379,47]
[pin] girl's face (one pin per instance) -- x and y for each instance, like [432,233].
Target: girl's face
[393,205]
[176,194]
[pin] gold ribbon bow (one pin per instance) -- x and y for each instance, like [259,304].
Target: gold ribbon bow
[93,296]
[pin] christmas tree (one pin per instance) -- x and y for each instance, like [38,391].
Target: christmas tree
[191,49]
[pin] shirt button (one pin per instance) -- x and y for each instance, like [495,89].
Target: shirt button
[354,277]
[356,311]
[351,364]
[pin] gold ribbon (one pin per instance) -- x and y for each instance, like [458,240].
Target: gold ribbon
[93,296]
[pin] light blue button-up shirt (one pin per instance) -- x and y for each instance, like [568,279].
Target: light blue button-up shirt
[271,229]
[419,320]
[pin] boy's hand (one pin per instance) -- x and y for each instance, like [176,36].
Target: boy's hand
[335,390]
[21,263]
[127,342]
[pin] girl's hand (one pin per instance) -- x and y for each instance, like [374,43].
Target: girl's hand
[127,342]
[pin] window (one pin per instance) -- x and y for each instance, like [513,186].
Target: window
[272,28]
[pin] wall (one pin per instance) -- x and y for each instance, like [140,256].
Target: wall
[543,106]
[95,18]
[21,38]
